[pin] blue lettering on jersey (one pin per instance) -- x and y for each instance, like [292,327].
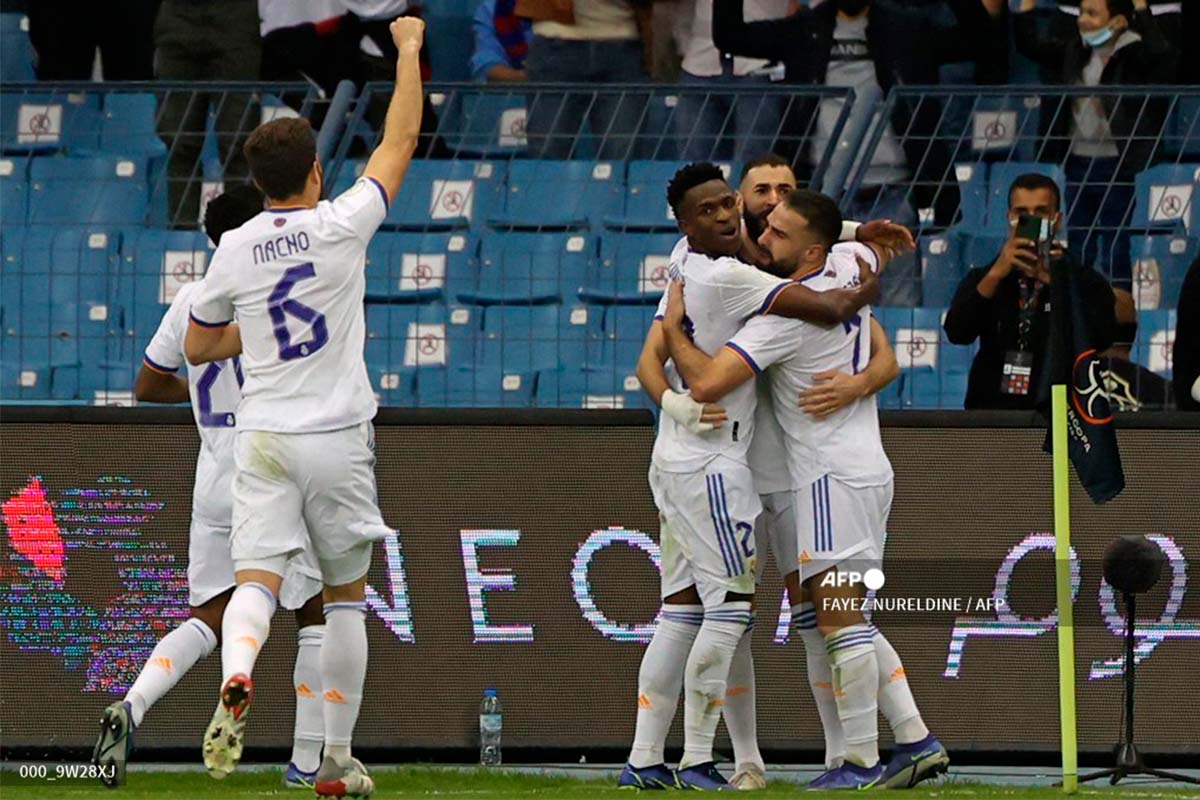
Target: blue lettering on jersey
[280,247]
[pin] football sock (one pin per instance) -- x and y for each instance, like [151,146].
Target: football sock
[343,670]
[660,680]
[170,660]
[740,711]
[820,681]
[309,733]
[244,629]
[895,697]
[706,676]
[856,691]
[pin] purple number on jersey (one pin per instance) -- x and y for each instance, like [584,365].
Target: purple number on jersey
[208,417]
[280,307]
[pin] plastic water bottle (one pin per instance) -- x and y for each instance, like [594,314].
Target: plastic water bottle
[491,724]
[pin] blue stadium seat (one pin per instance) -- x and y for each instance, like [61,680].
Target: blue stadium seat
[621,335]
[88,191]
[1159,266]
[480,125]
[973,190]
[421,267]
[485,385]
[154,264]
[531,268]
[526,339]
[1168,195]
[49,121]
[646,195]
[14,191]
[16,51]
[941,268]
[25,368]
[632,268]
[562,194]
[406,343]
[1155,341]
[128,126]
[601,386]
[439,195]
[1000,179]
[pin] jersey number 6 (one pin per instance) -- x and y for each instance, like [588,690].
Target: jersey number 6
[280,306]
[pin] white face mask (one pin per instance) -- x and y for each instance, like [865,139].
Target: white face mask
[1097,37]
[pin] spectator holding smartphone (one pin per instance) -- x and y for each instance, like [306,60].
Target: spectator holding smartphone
[1006,305]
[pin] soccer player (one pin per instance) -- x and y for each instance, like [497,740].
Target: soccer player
[841,485]
[702,484]
[214,392]
[294,278]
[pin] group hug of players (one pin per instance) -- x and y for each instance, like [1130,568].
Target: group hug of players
[763,357]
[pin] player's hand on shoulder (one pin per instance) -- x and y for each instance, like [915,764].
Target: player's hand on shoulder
[868,280]
[408,33]
[886,234]
[831,391]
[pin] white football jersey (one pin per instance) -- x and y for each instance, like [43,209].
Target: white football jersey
[215,390]
[720,294]
[846,444]
[294,279]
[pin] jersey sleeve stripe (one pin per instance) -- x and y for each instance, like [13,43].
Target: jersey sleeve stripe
[770,299]
[152,364]
[745,357]
[382,191]
[658,317]
[204,324]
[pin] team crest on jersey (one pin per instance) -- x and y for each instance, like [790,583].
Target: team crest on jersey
[280,222]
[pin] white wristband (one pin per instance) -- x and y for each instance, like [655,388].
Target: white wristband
[684,410]
[849,230]
[1196,390]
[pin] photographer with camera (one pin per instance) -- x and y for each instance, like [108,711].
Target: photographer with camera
[1006,305]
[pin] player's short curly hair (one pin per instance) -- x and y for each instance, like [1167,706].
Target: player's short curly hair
[820,212]
[281,154]
[232,209]
[688,178]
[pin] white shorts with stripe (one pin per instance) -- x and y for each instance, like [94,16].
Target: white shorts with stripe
[837,523]
[707,523]
[775,529]
[210,568]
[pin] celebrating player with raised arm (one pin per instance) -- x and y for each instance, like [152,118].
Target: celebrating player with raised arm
[841,486]
[294,279]
[703,488]
[214,391]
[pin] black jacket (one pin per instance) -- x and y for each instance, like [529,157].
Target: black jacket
[1052,40]
[1186,358]
[994,323]
[907,44]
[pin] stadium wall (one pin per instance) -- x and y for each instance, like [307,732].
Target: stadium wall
[526,562]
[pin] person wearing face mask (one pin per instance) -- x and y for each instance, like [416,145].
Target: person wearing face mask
[1006,305]
[1107,139]
[871,46]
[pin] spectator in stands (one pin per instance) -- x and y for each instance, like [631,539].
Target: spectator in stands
[67,33]
[1185,363]
[1107,139]
[1167,13]
[307,40]
[1130,386]
[717,126]
[586,41]
[1005,305]
[205,40]
[871,47]
[501,43]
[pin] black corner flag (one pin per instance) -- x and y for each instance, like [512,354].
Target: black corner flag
[1072,360]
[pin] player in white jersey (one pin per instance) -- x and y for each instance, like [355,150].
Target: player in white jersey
[294,279]
[702,485]
[841,488]
[214,392]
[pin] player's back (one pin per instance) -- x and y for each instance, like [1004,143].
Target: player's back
[719,293]
[295,279]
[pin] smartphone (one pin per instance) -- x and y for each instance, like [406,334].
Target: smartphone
[1037,230]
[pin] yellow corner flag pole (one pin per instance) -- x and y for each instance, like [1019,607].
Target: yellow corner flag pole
[1062,577]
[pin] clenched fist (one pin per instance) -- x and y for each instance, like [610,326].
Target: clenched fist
[408,33]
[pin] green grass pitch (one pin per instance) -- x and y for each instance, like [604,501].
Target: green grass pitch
[423,782]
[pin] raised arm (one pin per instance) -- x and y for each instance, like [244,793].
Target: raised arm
[834,389]
[833,307]
[389,163]
[774,39]
[1046,47]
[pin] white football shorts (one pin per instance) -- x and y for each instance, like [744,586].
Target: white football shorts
[837,523]
[290,489]
[707,529]
[775,529]
[210,568]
